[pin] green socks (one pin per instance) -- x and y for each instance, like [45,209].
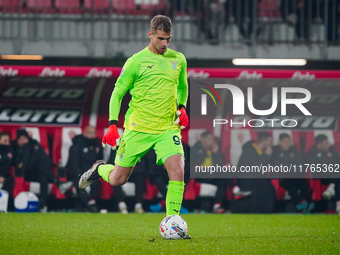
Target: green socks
[104,171]
[174,197]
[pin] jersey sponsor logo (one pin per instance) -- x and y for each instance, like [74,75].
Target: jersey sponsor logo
[150,66]
[121,156]
[174,64]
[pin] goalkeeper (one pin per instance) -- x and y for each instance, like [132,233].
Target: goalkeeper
[157,80]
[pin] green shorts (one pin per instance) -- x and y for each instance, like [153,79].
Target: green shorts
[134,145]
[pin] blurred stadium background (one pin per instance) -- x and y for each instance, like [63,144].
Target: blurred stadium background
[76,48]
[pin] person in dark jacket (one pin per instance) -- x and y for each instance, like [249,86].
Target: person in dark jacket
[206,152]
[31,161]
[298,189]
[85,150]
[263,195]
[325,153]
[6,179]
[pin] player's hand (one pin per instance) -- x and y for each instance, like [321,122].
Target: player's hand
[182,119]
[111,137]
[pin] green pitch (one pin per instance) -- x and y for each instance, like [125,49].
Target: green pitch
[73,233]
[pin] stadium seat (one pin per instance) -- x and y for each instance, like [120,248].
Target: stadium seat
[124,7]
[62,143]
[106,190]
[10,5]
[96,5]
[235,139]
[268,9]
[151,190]
[150,5]
[39,5]
[280,192]
[67,6]
[20,185]
[190,190]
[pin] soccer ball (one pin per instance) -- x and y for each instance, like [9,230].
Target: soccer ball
[173,227]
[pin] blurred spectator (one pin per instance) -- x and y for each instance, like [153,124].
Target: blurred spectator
[263,195]
[216,20]
[31,161]
[206,152]
[300,13]
[138,178]
[85,150]
[167,10]
[323,153]
[6,179]
[286,154]
[331,19]
[245,13]
[158,176]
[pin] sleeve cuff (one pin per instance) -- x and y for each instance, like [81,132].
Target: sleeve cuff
[113,122]
[181,106]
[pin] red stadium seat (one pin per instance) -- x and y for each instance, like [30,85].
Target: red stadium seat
[235,139]
[150,5]
[96,5]
[151,190]
[268,9]
[107,190]
[280,192]
[67,6]
[39,5]
[10,5]
[127,6]
[20,185]
[190,190]
[62,143]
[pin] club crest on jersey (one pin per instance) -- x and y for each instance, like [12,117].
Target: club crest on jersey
[174,64]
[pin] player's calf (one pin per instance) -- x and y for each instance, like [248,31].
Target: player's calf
[119,175]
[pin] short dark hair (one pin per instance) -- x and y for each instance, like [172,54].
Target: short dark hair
[263,136]
[161,22]
[206,133]
[320,138]
[4,134]
[283,136]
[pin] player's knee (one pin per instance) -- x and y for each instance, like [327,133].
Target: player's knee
[177,173]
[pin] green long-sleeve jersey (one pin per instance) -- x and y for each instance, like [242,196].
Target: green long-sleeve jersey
[157,84]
